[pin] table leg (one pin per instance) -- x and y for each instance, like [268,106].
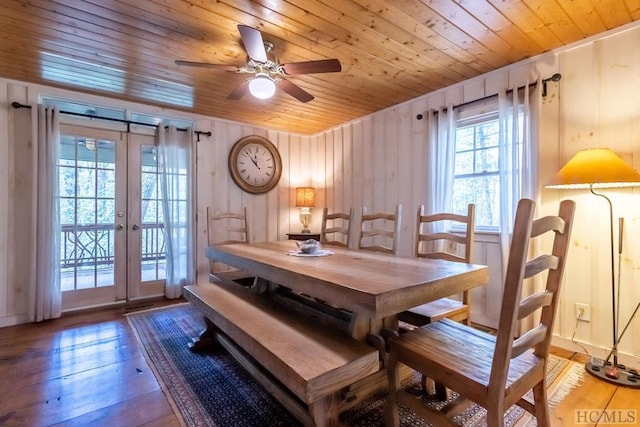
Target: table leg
[324,412]
[359,326]
[207,340]
[260,285]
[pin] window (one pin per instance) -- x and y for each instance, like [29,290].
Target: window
[476,177]
[477,166]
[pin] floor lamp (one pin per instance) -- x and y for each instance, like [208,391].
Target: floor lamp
[593,169]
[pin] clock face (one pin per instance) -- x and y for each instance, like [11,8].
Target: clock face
[255,164]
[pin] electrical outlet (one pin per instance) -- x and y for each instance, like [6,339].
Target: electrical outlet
[583,312]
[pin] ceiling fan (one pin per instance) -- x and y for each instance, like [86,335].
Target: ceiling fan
[268,73]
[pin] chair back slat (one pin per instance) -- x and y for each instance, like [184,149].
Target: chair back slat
[533,302]
[442,216]
[443,236]
[380,232]
[335,229]
[443,255]
[547,223]
[528,340]
[540,264]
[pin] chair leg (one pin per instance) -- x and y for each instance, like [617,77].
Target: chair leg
[442,393]
[428,386]
[391,414]
[495,416]
[540,405]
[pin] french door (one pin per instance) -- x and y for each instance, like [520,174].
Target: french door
[112,234]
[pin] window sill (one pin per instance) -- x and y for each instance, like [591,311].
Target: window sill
[483,236]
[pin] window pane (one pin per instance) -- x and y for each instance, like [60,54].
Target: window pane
[67,210]
[86,211]
[465,138]
[106,211]
[86,182]
[464,163]
[487,134]
[484,192]
[67,179]
[487,160]
[106,183]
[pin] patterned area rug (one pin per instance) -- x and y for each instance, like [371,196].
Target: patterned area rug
[213,390]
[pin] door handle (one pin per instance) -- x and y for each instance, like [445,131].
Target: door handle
[136,227]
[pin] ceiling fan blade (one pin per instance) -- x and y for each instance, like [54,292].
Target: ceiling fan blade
[207,65]
[296,91]
[253,43]
[240,91]
[310,67]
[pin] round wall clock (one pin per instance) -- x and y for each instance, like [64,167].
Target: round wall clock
[255,164]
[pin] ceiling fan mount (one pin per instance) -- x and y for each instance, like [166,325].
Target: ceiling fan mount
[268,72]
[268,46]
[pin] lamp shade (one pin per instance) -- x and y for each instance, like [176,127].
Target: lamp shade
[262,86]
[305,197]
[595,168]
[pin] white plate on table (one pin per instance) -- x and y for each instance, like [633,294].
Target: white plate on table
[319,252]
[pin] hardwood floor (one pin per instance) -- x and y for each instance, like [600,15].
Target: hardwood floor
[82,369]
[87,369]
[593,396]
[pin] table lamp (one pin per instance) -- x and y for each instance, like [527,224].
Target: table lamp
[305,200]
[602,168]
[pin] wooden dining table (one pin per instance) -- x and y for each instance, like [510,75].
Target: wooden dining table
[375,287]
[343,294]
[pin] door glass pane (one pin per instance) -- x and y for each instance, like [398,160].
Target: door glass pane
[87,189]
[153,245]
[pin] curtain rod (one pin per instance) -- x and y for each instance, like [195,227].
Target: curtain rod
[16,104]
[554,78]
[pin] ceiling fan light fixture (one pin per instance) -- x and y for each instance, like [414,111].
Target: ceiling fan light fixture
[262,86]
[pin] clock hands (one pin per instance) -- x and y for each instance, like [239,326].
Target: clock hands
[253,159]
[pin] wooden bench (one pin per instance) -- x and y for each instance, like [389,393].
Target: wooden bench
[313,362]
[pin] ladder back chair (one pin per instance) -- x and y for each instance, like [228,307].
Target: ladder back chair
[336,228]
[445,245]
[493,371]
[222,229]
[380,232]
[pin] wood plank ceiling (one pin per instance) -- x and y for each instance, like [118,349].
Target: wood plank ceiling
[391,50]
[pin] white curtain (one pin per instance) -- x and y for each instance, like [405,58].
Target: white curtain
[517,113]
[177,176]
[441,151]
[45,254]
[441,154]
[518,116]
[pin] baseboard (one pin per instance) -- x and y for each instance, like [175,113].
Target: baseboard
[595,351]
[14,320]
